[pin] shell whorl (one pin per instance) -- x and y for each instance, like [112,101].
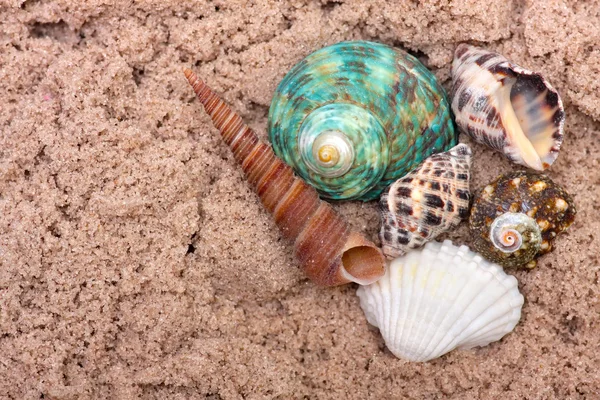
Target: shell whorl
[330,253]
[333,154]
[428,201]
[506,107]
[512,232]
[391,110]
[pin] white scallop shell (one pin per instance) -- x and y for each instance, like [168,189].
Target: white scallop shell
[439,298]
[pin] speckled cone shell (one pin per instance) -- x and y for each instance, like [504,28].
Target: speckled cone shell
[439,298]
[506,107]
[534,195]
[330,253]
[389,109]
[428,201]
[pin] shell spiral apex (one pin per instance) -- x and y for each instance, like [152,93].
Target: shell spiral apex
[353,117]
[330,253]
[430,200]
[439,298]
[516,218]
[506,107]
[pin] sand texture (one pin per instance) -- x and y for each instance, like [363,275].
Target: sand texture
[136,262]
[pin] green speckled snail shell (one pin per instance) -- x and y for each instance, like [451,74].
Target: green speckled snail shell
[516,218]
[353,117]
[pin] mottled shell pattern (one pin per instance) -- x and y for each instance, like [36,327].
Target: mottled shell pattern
[430,200]
[330,253]
[506,107]
[353,117]
[516,218]
[439,298]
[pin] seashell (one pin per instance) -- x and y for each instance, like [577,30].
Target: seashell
[353,117]
[330,253]
[506,107]
[428,201]
[516,218]
[439,298]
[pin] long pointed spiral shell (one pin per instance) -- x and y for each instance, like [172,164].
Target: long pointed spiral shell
[428,201]
[507,107]
[330,253]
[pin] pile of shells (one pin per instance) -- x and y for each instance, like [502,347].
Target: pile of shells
[362,120]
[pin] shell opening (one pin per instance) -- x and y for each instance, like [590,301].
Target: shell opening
[358,264]
[512,231]
[333,154]
[532,115]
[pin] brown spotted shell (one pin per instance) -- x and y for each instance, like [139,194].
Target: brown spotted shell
[507,107]
[516,218]
[328,250]
[430,200]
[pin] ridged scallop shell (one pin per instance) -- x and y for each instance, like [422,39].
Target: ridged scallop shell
[516,218]
[507,107]
[430,200]
[353,117]
[330,253]
[439,298]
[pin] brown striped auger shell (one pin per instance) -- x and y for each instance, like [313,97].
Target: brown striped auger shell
[330,253]
[506,107]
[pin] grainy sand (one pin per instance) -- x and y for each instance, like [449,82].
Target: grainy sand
[137,263]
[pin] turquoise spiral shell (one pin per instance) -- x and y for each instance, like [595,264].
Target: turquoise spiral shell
[354,117]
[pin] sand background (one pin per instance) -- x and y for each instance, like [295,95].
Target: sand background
[135,262]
